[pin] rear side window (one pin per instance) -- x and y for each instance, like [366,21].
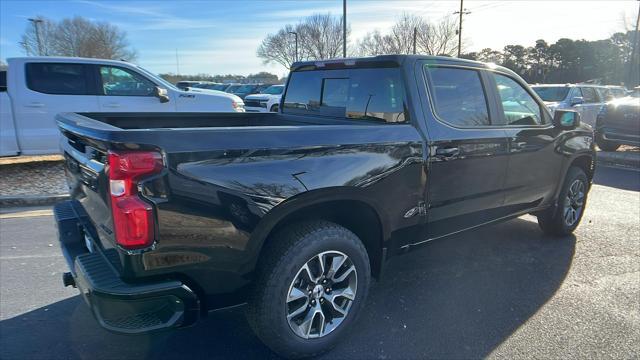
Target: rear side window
[356,94]
[58,78]
[590,95]
[458,96]
[3,81]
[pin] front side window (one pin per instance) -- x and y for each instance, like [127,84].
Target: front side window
[458,96]
[273,90]
[590,95]
[57,78]
[121,82]
[518,106]
[355,94]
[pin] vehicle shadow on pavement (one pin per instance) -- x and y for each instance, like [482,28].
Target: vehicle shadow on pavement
[458,297]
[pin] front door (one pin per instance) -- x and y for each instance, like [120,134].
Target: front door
[535,164]
[468,155]
[590,106]
[125,90]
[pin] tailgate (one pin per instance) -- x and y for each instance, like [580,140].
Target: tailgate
[88,183]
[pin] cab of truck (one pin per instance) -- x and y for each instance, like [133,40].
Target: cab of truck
[39,88]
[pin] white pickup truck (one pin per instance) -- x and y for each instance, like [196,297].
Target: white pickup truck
[35,89]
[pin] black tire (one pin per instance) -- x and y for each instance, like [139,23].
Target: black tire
[606,145]
[274,108]
[552,221]
[285,254]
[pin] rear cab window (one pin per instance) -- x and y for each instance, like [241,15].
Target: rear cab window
[370,94]
[58,78]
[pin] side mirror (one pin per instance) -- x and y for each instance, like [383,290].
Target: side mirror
[161,94]
[566,119]
[577,100]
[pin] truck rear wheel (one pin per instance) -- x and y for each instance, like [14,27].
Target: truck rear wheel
[310,285]
[566,216]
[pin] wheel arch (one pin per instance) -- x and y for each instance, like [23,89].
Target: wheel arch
[335,205]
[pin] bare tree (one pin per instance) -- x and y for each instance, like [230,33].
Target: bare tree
[432,38]
[319,37]
[78,37]
[280,47]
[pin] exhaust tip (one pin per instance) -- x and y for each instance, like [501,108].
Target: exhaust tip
[68,280]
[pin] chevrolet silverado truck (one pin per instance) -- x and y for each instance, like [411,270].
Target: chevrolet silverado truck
[293,213]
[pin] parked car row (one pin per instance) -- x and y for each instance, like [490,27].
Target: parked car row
[587,99]
[35,89]
[240,90]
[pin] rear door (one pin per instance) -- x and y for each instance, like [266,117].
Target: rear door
[467,152]
[590,106]
[125,90]
[8,141]
[49,88]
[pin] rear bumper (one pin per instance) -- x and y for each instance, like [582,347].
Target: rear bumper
[118,306]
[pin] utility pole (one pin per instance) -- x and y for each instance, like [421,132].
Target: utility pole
[415,36]
[461,12]
[296,35]
[636,39]
[344,28]
[35,23]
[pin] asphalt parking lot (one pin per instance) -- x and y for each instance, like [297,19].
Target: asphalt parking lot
[504,291]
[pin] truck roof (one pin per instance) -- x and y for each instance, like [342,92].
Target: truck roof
[66,59]
[387,60]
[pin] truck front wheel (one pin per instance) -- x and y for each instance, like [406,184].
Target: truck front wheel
[311,282]
[565,217]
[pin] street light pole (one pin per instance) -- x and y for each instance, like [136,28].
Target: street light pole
[35,23]
[344,28]
[296,35]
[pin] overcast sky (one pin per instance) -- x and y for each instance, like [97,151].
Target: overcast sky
[220,37]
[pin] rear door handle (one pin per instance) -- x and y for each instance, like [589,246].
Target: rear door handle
[448,152]
[35,105]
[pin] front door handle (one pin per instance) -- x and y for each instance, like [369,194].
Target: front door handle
[448,152]
[35,105]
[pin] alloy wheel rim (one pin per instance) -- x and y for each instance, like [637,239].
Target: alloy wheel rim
[321,294]
[574,202]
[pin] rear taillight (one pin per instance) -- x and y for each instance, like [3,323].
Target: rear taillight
[133,219]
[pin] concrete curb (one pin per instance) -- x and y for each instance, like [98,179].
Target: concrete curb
[31,200]
[626,159]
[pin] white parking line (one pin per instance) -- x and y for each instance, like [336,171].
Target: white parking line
[26,214]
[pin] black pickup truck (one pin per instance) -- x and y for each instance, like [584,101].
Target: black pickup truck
[292,214]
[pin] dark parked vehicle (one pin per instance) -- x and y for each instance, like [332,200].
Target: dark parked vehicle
[618,123]
[183,85]
[248,89]
[293,212]
[212,86]
[232,88]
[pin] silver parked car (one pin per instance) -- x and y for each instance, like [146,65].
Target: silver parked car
[584,98]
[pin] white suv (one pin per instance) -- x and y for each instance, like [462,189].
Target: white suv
[267,101]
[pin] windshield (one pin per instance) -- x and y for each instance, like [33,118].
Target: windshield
[219,87]
[552,93]
[273,90]
[245,88]
[232,88]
